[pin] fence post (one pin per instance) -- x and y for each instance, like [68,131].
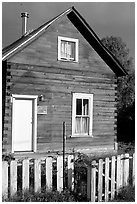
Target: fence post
[37,175]
[113,166]
[13,177]
[100,184]
[126,170]
[71,172]
[106,178]
[64,146]
[89,182]
[5,179]
[49,173]
[25,174]
[93,181]
[133,171]
[59,173]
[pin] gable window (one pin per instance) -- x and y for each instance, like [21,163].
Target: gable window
[67,49]
[82,113]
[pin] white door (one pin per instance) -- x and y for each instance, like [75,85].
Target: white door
[23,122]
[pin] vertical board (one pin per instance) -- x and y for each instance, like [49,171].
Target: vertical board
[59,173]
[89,182]
[118,173]
[49,173]
[71,172]
[126,170]
[106,178]
[37,175]
[113,166]
[93,181]
[100,179]
[13,177]
[122,170]
[133,171]
[25,174]
[4,179]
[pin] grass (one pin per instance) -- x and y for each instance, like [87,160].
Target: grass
[43,196]
[126,194]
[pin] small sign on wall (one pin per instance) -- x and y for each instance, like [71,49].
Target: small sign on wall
[42,110]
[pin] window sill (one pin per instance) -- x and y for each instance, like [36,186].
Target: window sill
[66,60]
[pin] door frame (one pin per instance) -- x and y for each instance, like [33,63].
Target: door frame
[34,111]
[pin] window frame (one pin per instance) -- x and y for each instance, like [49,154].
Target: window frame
[90,98]
[73,40]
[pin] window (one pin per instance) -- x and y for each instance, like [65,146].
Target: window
[82,114]
[67,49]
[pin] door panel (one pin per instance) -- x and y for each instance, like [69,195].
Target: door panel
[23,125]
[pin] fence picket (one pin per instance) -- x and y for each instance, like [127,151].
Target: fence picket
[133,170]
[126,170]
[5,179]
[122,171]
[106,178]
[93,181]
[59,173]
[118,173]
[100,179]
[71,172]
[112,177]
[13,177]
[37,175]
[49,173]
[25,174]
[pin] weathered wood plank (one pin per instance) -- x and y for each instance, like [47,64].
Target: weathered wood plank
[13,177]
[25,174]
[113,168]
[59,173]
[71,172]
[118,183]
[89,182]
[106,178]
[49,173]
[100,179]
[37,175]
[126,170]
[5,179]
[133,171]
[93,181]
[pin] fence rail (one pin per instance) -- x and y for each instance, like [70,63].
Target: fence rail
[104,177]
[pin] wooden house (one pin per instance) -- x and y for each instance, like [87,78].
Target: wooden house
[59,72]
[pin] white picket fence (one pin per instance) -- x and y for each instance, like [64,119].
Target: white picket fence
[104,177]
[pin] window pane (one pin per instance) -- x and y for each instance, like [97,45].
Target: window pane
[78,125]
[67,50]
[85,125]
[72,54]
[85,106]
[78,106]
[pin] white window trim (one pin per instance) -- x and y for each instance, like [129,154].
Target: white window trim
[68,40]
[34,98]
[82,96]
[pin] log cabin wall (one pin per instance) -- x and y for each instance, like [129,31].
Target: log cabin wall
[35,70]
